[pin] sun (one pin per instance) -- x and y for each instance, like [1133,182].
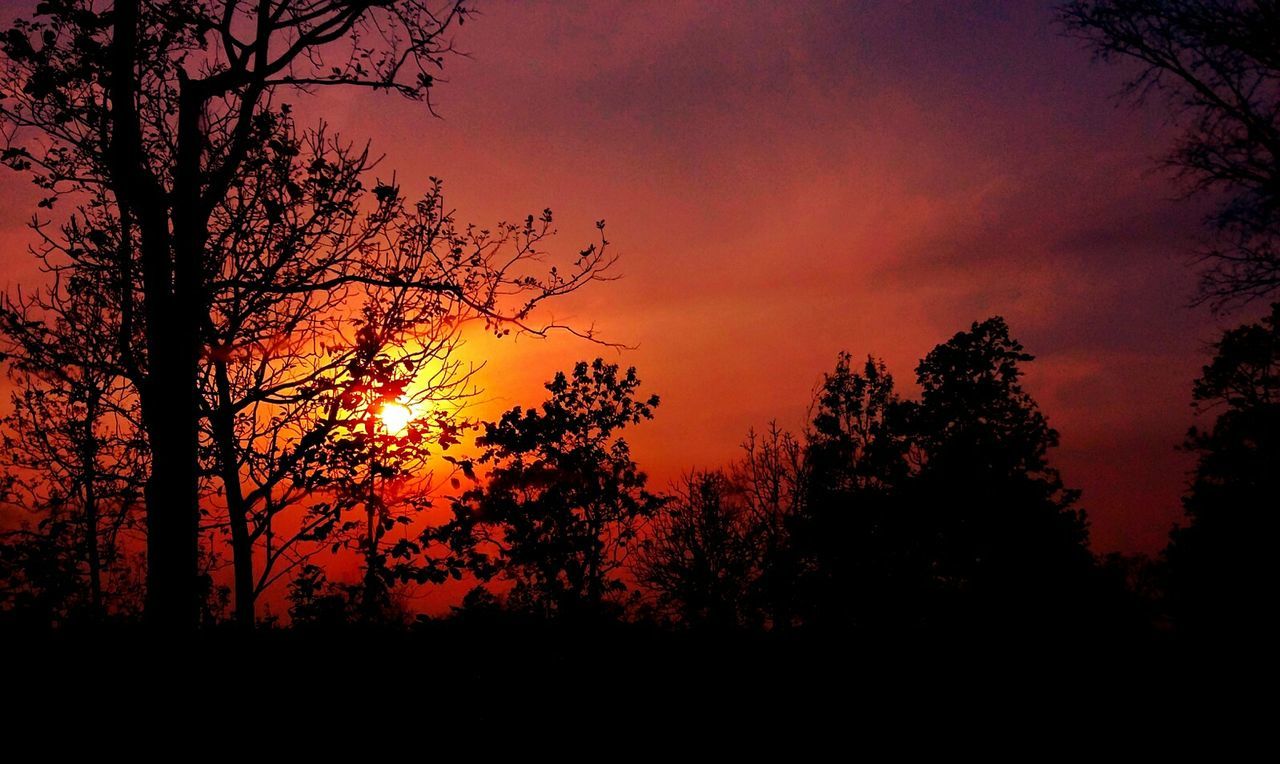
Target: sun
[396,417]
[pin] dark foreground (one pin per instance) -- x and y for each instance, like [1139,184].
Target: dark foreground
[649,681]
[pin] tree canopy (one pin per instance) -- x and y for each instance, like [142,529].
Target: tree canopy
[1219,561]
[562,503]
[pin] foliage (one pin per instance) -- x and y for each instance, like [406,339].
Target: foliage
[772,480]
[1001,526]
[71,451]
[562,502]
[234,247]
[892,514]
[851,540]
[1219,567]
[697,553]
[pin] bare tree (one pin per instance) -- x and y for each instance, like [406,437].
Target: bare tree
[697,554]
[773,476]
[717,552]
[1218,64]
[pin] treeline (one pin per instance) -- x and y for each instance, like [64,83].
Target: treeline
[888,513]
[944,513]
[885,516]
[206,389]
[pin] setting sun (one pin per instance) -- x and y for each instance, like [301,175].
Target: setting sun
[396,417]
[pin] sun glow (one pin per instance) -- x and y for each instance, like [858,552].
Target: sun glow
[396,417]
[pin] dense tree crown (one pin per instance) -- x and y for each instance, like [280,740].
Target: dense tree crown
[913,513]
[1005,526]
[1221,574]
[563,502]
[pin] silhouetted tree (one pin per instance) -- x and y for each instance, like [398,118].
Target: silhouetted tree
[364,464]
[316,603]
[561,505]
[285,357]
[719,551]
[232,232]
[853,539]
[856,441]
[894,515]
[157,104]
[1222,576]
[697,553]
[772,478]
[73,455]
[1005,540]
[1219,65]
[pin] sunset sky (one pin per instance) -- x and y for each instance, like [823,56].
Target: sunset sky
[785,181]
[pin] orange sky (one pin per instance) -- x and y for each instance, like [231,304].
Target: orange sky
[787,181]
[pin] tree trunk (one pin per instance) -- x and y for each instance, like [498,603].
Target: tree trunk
[173,584]
[372,586]
[167,392]
[224,435]
[89,466]
[177,308]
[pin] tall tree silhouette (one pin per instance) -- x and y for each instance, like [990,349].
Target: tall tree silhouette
[854,537]
[893,515]
[73,453]
[1005,538]
[166,114]
[1221,574]
[562,502]
[773,478]
[159,103]
[1219,65]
